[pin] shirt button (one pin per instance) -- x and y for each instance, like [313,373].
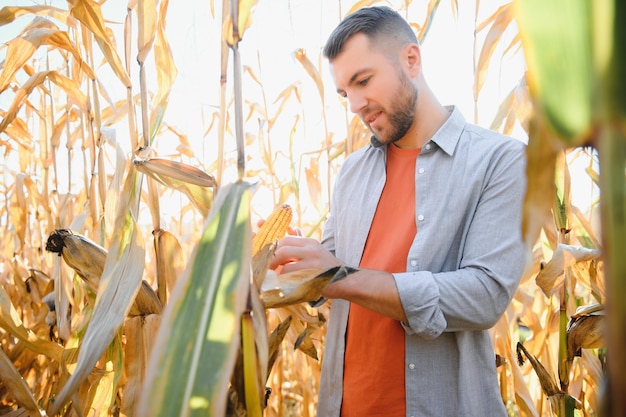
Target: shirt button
[421,170]
[427,146]
[411,366]
[420,217]
[413,262]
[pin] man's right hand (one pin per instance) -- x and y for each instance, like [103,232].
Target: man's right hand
[294,253]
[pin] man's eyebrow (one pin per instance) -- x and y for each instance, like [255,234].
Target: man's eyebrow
[353,79]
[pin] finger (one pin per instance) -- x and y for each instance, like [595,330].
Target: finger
[291,267]
[299,241]
[294,231]
[283,257]
[289,250]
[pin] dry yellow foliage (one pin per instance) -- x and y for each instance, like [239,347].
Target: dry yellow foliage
[69,136]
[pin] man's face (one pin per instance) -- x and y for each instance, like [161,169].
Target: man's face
[378,91]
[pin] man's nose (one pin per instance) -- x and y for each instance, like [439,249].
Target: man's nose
[357,102]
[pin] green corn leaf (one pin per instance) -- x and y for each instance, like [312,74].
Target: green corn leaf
[557,39]
[612,149]
[199,337]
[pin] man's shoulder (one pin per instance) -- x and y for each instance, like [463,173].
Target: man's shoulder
[492,137]
[490,143]
[365,152]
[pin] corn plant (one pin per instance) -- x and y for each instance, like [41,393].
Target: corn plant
[574,108]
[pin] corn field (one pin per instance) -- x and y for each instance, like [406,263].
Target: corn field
[128,285]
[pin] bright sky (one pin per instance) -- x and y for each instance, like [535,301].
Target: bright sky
[283,26]
[280,27]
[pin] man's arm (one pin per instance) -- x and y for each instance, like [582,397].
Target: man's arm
[371,289]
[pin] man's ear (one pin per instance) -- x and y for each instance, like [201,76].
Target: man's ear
[413,59]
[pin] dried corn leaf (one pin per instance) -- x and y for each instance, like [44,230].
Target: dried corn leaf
[146,18]
[9,13]
[169,172]
[13,381]
[542,152]
[169,262]
[19,133]
[21,49]
[140,333]
[284,97]
[89,14]
[101,397]
[300,286]
[547,381]
[308,66]
[196,184]
[565,256]
[274,341]
[61,40]
[304,343]
[304,313]
[501,20]
[121,280]
[430,16]
[314,183]
[71,88]
[11,322]
[165,70]
[513,374]
[302,327]
[261,262]
[504,110]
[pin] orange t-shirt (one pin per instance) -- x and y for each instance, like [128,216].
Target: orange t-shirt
[373,382]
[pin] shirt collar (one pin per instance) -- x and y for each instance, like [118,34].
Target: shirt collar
[448,134]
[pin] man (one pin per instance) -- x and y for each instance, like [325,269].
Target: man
[430,213]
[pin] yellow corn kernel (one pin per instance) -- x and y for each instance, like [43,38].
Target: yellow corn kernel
[273,229]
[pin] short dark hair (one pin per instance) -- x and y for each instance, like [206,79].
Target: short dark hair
[379,22]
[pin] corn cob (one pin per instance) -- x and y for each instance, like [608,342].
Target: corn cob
[84,256]
[274,228]
[146,302]
[585,330]
[88,259]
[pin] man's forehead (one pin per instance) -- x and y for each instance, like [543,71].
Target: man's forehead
[356,57]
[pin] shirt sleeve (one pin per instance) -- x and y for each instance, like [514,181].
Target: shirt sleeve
[328,236]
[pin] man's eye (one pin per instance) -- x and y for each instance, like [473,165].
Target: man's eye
[364,81]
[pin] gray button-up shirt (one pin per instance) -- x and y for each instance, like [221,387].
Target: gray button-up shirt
[463,268]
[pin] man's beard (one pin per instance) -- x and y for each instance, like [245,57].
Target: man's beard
[402,112]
